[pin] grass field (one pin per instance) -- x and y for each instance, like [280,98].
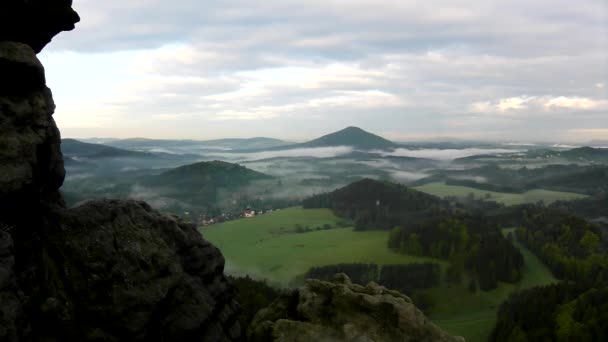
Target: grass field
[474,315]
[267,247]
[259,247]
[532,196]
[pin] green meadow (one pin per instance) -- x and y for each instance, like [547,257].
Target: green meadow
[267,247]
[532,196]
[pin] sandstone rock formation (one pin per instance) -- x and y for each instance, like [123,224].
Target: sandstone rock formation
[341,311]
[104,271]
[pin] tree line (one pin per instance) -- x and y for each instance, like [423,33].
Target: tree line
[469,242]
[560,312]
[372,204]
[570,246]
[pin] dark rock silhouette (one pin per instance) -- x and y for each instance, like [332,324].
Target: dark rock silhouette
[35,22]
[103,271]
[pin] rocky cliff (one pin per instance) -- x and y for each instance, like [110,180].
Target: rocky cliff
[104,271]
[341,311]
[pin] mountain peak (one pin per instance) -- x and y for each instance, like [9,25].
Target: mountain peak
[352,136]
[352,129]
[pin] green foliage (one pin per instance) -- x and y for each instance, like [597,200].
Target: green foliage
[423,300]
[409,277]
[574,310]
[374,204]
[469,242]
[252,295]
[201,182]
[453,274]
[472,285]
[591,207]
[358,273]
[560,312]
[567,244]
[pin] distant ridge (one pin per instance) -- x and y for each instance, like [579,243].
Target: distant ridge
[350,136]
[236,143]
[79,149]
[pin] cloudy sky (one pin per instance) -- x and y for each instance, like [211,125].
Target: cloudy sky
[508,70]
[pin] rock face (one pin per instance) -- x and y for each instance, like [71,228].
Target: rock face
[122,271]
[104,271]
[342,311]
[31,165]
[35,22]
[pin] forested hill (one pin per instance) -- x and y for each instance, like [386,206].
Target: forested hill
[573,310]
[193,177]
[379,205]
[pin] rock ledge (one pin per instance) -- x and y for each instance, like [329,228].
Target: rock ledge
[342,311]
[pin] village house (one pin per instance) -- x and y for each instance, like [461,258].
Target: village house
[207,222]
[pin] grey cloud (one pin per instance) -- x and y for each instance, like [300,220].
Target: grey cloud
[359,27]
[435,59]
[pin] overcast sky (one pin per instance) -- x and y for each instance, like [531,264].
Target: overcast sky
[508,70]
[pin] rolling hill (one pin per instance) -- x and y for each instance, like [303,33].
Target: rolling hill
[185,188]
[203,183]
[78,149]
[204,174]
[375,204]
[192,146]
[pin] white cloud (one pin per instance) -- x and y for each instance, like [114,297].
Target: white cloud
[572,102]
[519,102]
[446,154]
[545,103]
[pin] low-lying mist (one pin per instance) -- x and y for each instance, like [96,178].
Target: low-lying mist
[445,154]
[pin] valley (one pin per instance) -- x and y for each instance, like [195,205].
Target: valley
[295,171]
[355,202]
[268,247]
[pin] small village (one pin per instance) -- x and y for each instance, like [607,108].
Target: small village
[205,220]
